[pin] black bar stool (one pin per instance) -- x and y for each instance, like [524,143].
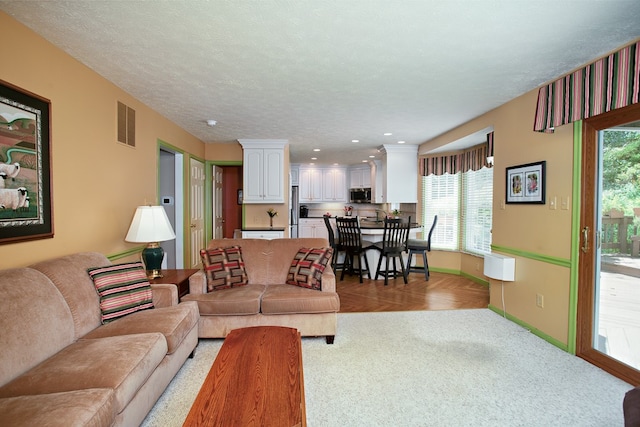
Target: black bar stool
[415,246]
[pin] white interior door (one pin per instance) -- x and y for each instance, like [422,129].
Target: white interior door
[196,212]
[218,200]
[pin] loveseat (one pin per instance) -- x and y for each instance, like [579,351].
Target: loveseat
[266,299]
[60,366]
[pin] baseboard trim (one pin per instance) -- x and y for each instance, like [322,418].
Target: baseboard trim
[535,331]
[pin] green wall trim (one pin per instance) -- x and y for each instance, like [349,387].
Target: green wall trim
[575,235]
[475,279]
[562,262]
[562,346]
[127,253]
[445,270]
[225,162]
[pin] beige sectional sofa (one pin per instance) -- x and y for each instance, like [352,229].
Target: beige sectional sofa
[59,366]
[267,299]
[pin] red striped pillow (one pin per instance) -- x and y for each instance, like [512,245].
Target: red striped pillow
[224,267]
[123,289]
[307,267]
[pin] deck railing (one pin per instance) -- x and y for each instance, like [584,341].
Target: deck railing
[616,234]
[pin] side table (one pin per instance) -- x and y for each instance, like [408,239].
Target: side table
[180,278]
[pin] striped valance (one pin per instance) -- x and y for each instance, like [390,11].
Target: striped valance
[609,83]
[474,158]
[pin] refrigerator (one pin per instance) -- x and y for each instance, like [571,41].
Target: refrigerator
[294,212]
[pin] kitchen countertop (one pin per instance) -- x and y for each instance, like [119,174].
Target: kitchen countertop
[263,228]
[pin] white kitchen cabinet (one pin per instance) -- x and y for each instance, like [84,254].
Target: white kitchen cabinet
[312,227]
[295,174]
[270,234]
[334,185]
[400,173]
[360,177]
[310,185]
[263,171]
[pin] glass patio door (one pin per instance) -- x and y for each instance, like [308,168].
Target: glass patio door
[609,280]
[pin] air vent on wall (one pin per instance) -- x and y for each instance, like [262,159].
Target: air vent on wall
[126,125]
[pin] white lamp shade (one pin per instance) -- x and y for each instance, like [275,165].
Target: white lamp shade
[500,267]
[150,224]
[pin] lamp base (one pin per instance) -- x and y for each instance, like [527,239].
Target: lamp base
[152,257]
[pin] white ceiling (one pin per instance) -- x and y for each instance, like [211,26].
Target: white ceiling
[321,73]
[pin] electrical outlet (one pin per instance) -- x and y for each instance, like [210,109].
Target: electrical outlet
[540,300]
[477,266]
[502,205]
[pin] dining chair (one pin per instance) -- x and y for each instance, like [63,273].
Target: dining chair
[392,246]
[350,240]
[334,243]
[415,246]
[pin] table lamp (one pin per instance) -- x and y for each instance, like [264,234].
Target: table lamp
[150,225]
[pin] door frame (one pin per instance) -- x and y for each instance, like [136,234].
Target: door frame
[586,294]
[178,195]
[208,191]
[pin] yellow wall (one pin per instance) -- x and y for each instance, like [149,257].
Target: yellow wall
[535,231]
[97,182]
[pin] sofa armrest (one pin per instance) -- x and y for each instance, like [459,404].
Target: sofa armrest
[328,280]
[164,295]
[198,283]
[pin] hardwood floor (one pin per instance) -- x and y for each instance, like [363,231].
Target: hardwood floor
[441,292]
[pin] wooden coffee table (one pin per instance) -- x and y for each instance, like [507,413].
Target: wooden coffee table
[256,380]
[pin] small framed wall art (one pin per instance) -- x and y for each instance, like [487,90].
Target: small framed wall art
[526,183]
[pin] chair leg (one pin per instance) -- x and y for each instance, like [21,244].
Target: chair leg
[402,267]
[366,263]
[426,265]
[406,272]
[344,265]
[379,265]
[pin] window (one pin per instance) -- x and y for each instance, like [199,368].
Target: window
[471,213]
[440,197]
[477,210]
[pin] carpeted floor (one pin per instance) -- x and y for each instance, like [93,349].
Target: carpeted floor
[430,368]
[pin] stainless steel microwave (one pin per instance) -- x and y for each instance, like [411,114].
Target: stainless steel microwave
[360,195]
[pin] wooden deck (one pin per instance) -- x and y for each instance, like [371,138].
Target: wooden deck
[619,326]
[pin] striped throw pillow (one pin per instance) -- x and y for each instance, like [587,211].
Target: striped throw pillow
[307,267]
[224,268]
[123,289]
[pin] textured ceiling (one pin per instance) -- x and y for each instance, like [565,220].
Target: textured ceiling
[322,73]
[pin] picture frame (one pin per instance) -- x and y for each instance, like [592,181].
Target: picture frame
[26,206]
[526,183]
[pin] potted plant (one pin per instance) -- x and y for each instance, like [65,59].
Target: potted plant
[271,212]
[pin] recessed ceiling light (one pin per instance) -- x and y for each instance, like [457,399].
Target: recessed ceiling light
[388,134]
[211,123]
[365,161]
[355,140]
[401,142]
[336,164]
[372,157]
[314,158]
[316,149]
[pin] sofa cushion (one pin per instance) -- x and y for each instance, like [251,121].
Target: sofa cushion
[36,321]
[174,322]
[121,363]
[263,258]
[307,267]
[235,301]
[224,267]
[287,299]
[69,275]
[123,289]
[90,407]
